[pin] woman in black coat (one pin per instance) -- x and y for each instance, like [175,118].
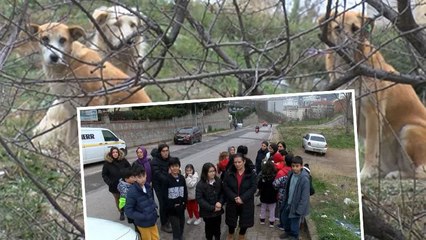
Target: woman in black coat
[261,154]
[239,186]
[112,172]
[210,199]
[160,176]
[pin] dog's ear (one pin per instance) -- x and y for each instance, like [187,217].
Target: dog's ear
[76,32]
[100,16]
[33,29]
[321,21]
[140,20]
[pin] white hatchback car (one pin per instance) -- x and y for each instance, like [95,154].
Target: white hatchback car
[314,143]
[101,229]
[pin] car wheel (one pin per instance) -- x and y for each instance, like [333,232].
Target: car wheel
[192,141]
[176,143]
[200,139]
[306,151]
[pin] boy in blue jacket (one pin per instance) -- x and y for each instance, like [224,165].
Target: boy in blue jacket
[296,201]
[140,207]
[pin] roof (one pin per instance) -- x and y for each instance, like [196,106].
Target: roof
[316,134]
[94,128]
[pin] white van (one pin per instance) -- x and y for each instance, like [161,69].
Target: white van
[96,142]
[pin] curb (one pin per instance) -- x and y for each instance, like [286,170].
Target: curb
[311,229]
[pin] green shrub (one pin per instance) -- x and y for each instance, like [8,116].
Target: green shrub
[150,113]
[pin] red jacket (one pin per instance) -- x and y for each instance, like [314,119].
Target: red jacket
[278,161]
[283,172]
[221,166]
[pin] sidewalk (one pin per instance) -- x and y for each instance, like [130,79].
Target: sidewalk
[257,232]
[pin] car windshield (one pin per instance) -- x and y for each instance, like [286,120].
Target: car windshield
[185,130]
[317,138]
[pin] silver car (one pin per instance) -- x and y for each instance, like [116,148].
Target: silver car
[313,142]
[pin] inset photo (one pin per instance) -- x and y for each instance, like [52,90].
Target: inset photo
[260,167]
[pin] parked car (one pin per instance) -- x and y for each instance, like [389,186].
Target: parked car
[314,143]
[97,228]
[96,142]
[188,135]
[264,123]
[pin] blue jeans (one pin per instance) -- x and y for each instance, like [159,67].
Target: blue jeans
[291,225]
[281,215]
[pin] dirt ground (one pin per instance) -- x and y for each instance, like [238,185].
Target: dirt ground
[336,161]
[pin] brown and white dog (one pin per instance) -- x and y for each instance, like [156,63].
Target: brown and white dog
[393,119]
[74,69]
[121,27]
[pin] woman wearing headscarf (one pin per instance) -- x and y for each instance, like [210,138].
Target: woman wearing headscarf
[112,172]
[145,162]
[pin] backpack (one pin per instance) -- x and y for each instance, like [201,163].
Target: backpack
[312,190]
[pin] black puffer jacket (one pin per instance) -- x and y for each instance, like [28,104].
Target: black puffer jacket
[268,194]
[207,196]
[160,173]
[246,193]
[111,171]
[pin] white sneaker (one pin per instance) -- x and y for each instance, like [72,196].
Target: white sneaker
[190,221]
[198,221]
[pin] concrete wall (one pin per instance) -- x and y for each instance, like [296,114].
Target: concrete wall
[145,132]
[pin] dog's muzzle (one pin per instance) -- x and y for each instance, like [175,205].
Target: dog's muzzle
[54,58]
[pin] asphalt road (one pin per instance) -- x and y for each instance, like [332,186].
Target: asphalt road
[206,151]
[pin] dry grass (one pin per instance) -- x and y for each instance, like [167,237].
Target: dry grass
[401,202]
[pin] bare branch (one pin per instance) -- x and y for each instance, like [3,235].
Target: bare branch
[404,22]
[40,186]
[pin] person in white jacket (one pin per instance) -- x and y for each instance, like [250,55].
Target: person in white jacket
[191,178]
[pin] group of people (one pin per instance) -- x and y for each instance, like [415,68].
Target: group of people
[227,187]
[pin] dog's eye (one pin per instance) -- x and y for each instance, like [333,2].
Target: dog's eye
[132,25]
[354,28]
[45,39]
[62,40]
[337,28]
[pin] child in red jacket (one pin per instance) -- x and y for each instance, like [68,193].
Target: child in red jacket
[223,162]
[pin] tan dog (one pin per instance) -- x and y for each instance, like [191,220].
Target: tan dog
[393,117]
[121,27]
[74,71]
